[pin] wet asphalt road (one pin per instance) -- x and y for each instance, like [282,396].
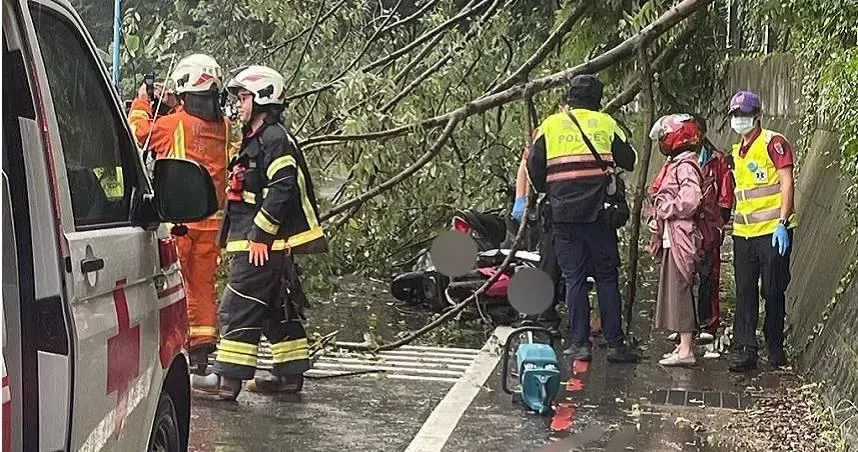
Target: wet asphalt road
[345,414]
[611,410]
[608,407]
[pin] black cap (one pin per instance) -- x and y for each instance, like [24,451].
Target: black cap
[585,90]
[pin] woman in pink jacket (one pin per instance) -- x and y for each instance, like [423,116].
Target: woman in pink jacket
[676,239]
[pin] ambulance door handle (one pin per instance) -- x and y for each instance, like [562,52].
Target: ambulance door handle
[91,264]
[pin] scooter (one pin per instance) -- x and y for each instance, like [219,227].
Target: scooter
[494,234]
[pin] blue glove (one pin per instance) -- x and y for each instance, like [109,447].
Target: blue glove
[780,239]
[518,208]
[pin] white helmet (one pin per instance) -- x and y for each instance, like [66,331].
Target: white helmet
[266,84]
[197,73]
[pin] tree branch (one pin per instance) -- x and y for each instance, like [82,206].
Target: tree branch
[516,244]
[410,18]
[640,184]
[417,59]
[664,58]
[395,55]
[366,46]
[506,64]
[298,65]
[423,160]
[455,310]
[275,48]
[449,23]
[307,116]
[612,56]
[472,33]
[555,37]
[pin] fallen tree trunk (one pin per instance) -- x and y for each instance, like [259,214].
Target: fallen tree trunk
[618,53]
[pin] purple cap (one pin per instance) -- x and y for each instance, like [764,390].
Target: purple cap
[745,101]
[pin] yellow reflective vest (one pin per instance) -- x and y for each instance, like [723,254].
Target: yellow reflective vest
[758,189]
[567,156]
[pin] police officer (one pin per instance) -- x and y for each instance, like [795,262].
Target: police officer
[578,179]
[762,231]
[271,214]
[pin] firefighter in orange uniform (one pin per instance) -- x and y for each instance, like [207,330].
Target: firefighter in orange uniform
[196,129]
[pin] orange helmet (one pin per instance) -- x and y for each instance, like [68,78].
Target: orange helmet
[676,133]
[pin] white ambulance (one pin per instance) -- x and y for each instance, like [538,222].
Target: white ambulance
[93,309]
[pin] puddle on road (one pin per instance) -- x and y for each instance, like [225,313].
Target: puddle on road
[361,305]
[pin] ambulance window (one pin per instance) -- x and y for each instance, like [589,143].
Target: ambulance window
[92,136]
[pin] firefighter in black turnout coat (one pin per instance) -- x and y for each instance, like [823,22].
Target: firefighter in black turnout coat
[271,214]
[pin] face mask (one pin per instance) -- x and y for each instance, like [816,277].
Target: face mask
[742,124]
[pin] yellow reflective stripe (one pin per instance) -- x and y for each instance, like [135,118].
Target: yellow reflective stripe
[262,222]
[306,206]
[278,164]
[306,237]
[235,358]
[178,148]
[238,246]
[138,114]
[250,197]
[290,351]
[288,346]
[237,347]
[291,356]
[203,331]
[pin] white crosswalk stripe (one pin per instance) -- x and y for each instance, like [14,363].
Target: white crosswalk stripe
[411,362]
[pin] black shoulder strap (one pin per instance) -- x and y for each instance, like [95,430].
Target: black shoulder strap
[589,144]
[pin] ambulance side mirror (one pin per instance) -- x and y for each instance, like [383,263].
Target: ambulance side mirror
[184,191]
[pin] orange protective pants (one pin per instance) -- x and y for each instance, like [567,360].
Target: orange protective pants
[198,254]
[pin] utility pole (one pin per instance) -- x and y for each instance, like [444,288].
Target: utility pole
[117,39]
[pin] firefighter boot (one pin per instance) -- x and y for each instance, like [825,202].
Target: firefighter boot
[199,358]
[265,382]
[215,387]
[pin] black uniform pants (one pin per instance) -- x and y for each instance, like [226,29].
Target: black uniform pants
[548,264]
[754,259]
[255,302]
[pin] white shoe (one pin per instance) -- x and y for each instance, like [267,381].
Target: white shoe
[669,354]
[674,337]
[705,338]
[676,360]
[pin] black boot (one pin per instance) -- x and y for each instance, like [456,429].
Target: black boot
[265,382]
[622,354]
[582,352]
[213,386]
[777,357]
[198,357]
[743,359]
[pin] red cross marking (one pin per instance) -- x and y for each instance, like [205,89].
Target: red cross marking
[123,356]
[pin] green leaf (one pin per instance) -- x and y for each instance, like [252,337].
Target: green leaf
[132,44]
